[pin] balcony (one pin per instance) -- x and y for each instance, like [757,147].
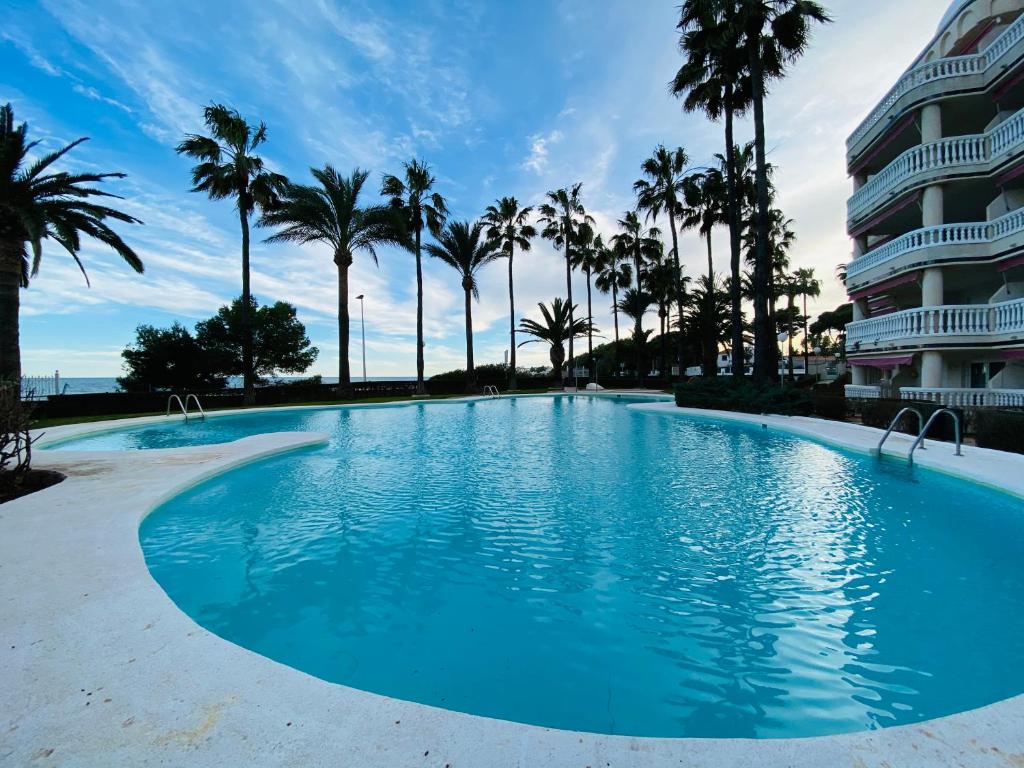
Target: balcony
[956,73]
[954,397]
[863,391]
[947,242]
[976,154]
[957,324]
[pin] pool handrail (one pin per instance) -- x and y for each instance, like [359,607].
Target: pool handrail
[895,421]
[189,398]
[924,431]
[181,405]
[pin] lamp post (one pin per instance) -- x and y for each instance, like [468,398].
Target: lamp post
[362,325]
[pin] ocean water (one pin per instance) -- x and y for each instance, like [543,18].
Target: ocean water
[572,563]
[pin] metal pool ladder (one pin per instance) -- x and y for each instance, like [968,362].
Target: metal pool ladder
[491,391]
[183,406]
[922,430]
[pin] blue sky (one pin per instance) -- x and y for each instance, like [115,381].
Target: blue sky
[500,98]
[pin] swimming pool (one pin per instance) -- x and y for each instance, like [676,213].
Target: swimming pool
[571,563]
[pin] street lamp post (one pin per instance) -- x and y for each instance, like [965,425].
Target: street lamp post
[362,325]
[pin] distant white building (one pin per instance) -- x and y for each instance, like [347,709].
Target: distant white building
[937,219]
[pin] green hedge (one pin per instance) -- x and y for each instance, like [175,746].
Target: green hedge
[880,413]
[724,394]
[1002,430]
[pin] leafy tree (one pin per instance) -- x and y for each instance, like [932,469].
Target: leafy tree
[556,328]
[167,358]
[566,224]
[280,343]
[663,189]
[229,168]
[330,213]
[464,248]
[418,206]
[507,225]
[38,203]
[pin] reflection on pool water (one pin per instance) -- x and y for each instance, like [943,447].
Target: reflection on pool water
[573,563]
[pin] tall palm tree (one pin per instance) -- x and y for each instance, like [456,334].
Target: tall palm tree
[709,312]
[642,244]
[418,206]
[713,80]
[614,273]
[663,189]
[775,34]
[229,167]
[331,214]
[465,248]
[706,198]
[807,286]
[566,223]
[634,304]
[507,224]
[587,257]
[660,283]
[38,203]
[557,328]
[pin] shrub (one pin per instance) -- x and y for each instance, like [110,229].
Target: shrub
[1001,430]
[15,442]
[745,397]
[880,413]
[829,405]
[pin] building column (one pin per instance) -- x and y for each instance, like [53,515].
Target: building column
[931,369]
[932,214]
[858,375]
[931,123]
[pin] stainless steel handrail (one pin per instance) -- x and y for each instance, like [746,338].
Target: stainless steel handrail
[924,431]
[895,421]
[181,405]
[192,396]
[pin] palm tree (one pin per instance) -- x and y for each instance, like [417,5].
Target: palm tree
[713,80]
[507,225]
[587,257]
[613,273]
[229,167]
[566,223]
[663,189]
[37,203]
[557,328]
[331,214]
[709,313]
[776,33]
[807,285]
[418,206]
[706,197]
[465,248]
[660,283]
[641,245]
[635,303]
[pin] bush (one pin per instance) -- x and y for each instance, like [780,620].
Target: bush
[1001,430]
[880,413]
[829,405]
[745,397]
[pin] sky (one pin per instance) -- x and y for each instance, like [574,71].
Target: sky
[499,98]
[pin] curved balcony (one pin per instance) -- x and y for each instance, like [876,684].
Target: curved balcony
[960,397]
[956,73]
[946,242]
[946,325]
[977,154]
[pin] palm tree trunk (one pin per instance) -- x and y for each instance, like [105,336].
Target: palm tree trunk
[568,291]
[710,332]
[248,377]
[344,375]
[662,315]
[790,340]
[10,298]
[807,351]
[765,350]
[512,384]
[739,363]
[615,314]
[470,370]
[590,332]
[678,273]
[638,323]
[421,388]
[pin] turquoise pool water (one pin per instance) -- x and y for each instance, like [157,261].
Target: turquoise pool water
[575,564]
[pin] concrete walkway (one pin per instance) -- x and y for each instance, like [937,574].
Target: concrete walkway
[100,668]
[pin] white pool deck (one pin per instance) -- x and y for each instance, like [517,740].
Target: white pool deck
[99,668]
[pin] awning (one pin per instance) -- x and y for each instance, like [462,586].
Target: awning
[881,362]
[875,290]
[1012,354]
[862,228]
[1010,263]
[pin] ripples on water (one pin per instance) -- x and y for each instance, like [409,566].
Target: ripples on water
[573,564]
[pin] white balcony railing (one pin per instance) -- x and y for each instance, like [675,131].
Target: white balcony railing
[947,321]
[974,233]
[959,152]
[942,69]
[864,391]
[956,397]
